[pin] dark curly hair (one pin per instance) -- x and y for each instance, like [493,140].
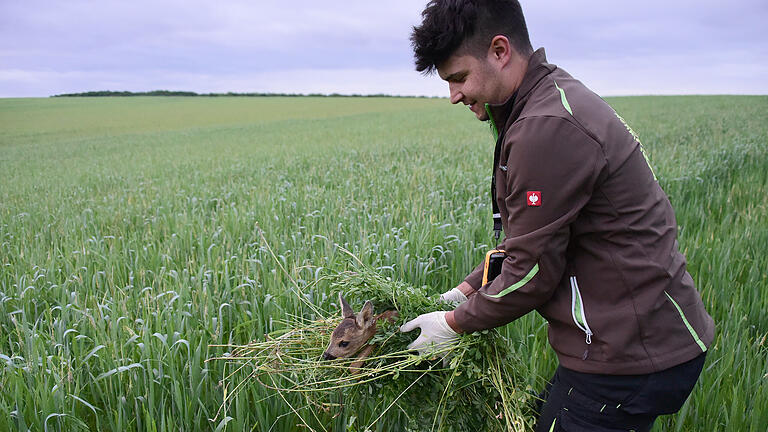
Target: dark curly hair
[450,25]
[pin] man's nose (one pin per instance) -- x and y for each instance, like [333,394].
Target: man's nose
[456,95]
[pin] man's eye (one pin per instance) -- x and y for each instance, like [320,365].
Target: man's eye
[343,344]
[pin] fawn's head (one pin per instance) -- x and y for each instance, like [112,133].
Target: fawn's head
[354,331]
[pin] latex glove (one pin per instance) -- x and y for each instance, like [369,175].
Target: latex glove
[436,334]
[453,296]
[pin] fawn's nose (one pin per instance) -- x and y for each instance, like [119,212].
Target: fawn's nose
[328,356]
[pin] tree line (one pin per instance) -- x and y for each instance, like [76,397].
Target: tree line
[101,93]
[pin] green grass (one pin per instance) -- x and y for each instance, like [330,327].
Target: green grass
[128,241]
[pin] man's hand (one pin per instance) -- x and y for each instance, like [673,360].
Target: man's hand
[459,295]
[436,335]
[453,296]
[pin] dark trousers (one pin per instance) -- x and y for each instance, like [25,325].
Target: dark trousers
[580,402]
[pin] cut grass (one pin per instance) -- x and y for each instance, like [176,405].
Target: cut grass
[477,387]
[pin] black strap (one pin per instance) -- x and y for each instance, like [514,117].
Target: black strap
[497,226]
[496,213]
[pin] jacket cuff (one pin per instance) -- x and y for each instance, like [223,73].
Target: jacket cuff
[465,321]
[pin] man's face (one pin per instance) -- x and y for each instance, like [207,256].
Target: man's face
[472,81]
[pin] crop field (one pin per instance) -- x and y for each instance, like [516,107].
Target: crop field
[131,250]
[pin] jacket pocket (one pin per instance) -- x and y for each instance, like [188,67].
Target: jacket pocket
[577,310]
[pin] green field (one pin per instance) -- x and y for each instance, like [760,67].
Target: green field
[128,242]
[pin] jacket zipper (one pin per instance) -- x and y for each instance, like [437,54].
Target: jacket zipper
[577,310]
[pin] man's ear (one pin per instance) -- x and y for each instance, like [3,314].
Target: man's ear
[346,309]
[500,50]
[365,316]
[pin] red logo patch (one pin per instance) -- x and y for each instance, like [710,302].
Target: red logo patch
[533,198]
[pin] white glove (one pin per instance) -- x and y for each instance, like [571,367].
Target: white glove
[436,335]
[453,296]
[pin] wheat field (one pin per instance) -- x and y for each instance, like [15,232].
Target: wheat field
[130,253]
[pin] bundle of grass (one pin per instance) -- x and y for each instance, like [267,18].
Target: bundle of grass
[476,387]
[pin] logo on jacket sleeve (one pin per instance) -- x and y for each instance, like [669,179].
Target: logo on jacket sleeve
[533,198]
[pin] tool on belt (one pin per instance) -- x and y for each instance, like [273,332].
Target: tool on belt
[492,268]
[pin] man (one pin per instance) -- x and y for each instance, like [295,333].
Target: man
[590,237]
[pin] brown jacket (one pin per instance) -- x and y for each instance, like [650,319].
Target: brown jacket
[590,237]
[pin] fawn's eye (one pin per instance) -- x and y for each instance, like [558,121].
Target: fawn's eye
[343,344]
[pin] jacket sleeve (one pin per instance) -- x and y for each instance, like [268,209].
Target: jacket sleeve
[475,278]
[556,160]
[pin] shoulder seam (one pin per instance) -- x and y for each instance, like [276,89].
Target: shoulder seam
[571,121]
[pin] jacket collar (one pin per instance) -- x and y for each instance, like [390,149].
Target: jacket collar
[501,114]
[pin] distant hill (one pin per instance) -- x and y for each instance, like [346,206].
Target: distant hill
[102,93]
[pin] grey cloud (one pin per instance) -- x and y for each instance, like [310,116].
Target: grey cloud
[51,47]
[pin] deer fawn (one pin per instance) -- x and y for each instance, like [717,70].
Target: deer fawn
[354,332]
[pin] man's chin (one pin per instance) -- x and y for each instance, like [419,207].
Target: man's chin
[480,113]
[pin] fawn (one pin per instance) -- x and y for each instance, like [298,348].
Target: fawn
[353,333]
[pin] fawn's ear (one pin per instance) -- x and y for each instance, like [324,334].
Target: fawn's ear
[365,317]
[346,309]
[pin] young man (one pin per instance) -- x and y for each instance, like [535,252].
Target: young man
[589,236]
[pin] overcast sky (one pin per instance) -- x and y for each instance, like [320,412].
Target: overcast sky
[300,46]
